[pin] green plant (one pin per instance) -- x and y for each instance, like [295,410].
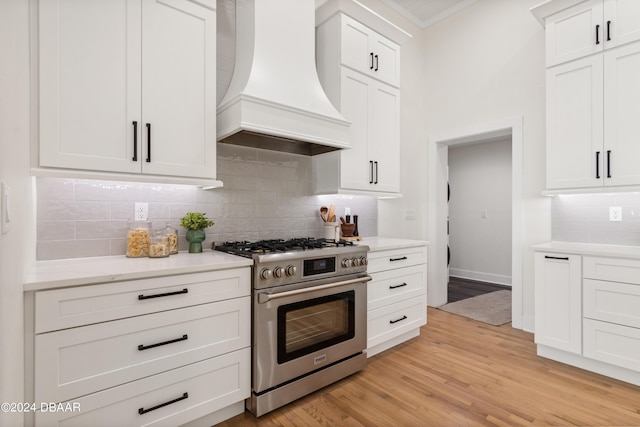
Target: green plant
[195,221]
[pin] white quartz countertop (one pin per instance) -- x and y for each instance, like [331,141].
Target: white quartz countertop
[618,251]
[87,271]
[384,243]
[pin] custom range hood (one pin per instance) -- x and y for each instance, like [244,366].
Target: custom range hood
[275,100]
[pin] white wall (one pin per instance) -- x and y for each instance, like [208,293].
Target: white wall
[17,247]
[483,64]
[480,180]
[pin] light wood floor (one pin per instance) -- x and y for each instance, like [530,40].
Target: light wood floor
[460,372]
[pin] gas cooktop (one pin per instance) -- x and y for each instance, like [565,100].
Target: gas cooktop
[274,246]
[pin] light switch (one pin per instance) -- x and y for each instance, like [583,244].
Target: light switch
[5,207]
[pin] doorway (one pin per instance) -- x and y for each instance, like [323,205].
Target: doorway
[438,164]
[479,217]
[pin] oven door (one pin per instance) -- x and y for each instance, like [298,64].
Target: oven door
[298,329]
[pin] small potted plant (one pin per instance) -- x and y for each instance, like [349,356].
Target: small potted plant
[195,223]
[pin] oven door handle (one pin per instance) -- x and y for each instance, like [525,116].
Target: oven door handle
[268,296]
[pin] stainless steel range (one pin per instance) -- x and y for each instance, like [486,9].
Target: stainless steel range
[309,316]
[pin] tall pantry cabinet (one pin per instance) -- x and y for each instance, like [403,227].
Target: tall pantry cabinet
[359,69]
[593,60]
[127,86]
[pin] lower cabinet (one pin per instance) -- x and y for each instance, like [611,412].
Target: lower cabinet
[396,296]
[159,351]
[588,312]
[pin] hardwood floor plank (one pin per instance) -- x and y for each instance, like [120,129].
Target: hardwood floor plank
[460,372]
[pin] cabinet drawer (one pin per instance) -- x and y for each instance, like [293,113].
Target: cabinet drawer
[210,385]
[615,344]
[612,302]
[388,287]
[78,361]
[612,269]
[398,258]
[396,319]
[69,307]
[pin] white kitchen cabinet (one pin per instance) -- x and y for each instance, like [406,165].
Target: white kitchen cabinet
[558,302]
[128,86]
[122,347]
[396,295]
[372,164]
[590,27]
[366,51]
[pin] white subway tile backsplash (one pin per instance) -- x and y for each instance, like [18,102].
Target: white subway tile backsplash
[265,195]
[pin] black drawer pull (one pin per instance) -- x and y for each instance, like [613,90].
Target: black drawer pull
[135,142]
[561,258]
[608,31]
[597,165]
[162,405]
[147,347]
[398,320]
[184,291]
[608,163]
[398,259]
[148,159]
[371,67]
[376,69]
[397,286]
[597,34]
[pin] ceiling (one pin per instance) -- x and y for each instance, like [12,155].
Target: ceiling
[425,13]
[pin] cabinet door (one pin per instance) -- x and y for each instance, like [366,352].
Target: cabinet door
[575,124]
[384,137]
[574,33]
[558,304]
[621,22]
[386,64]
[90,87]
[355,99]
[179,95]
[621,106]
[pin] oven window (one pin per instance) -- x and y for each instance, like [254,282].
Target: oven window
[311,325]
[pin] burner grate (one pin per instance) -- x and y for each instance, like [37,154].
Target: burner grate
[247,249]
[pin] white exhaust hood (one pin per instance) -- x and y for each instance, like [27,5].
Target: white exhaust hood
[275,100]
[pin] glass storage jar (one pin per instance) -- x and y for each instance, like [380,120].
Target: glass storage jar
[138,239]
[172,236]
[159,245]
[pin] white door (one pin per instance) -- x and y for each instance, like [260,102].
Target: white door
[89,84]
[621,22]
[384,137]
[386,60]
[575,156]
[179,97]
[621,119]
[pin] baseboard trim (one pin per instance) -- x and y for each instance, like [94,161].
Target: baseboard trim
[480,277]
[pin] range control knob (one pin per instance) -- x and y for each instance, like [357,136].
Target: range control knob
[265,274]
[355,262]
[346,263]
[278,271]
[290,270]
[363,260]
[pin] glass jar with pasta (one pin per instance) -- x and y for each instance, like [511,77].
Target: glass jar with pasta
[172,236]
[138,239]
[159,245]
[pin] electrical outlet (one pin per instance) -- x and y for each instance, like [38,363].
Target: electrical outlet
[141,211]
[615,213]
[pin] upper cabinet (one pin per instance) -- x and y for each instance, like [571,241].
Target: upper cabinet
[128,86]
[368,52]
[593,60]
[359,69]
[590,27]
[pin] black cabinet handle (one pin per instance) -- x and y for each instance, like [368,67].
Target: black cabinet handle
[371,67]
[147,347]
[148,142]
[184,291]
[397,286]
[561,258]
[370,171]
[162,405]
[376,69]
[608,163]
[135,141]
[376,179]
[398,259]
[598,34]
[608,30]
[597,165]
[398,320]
